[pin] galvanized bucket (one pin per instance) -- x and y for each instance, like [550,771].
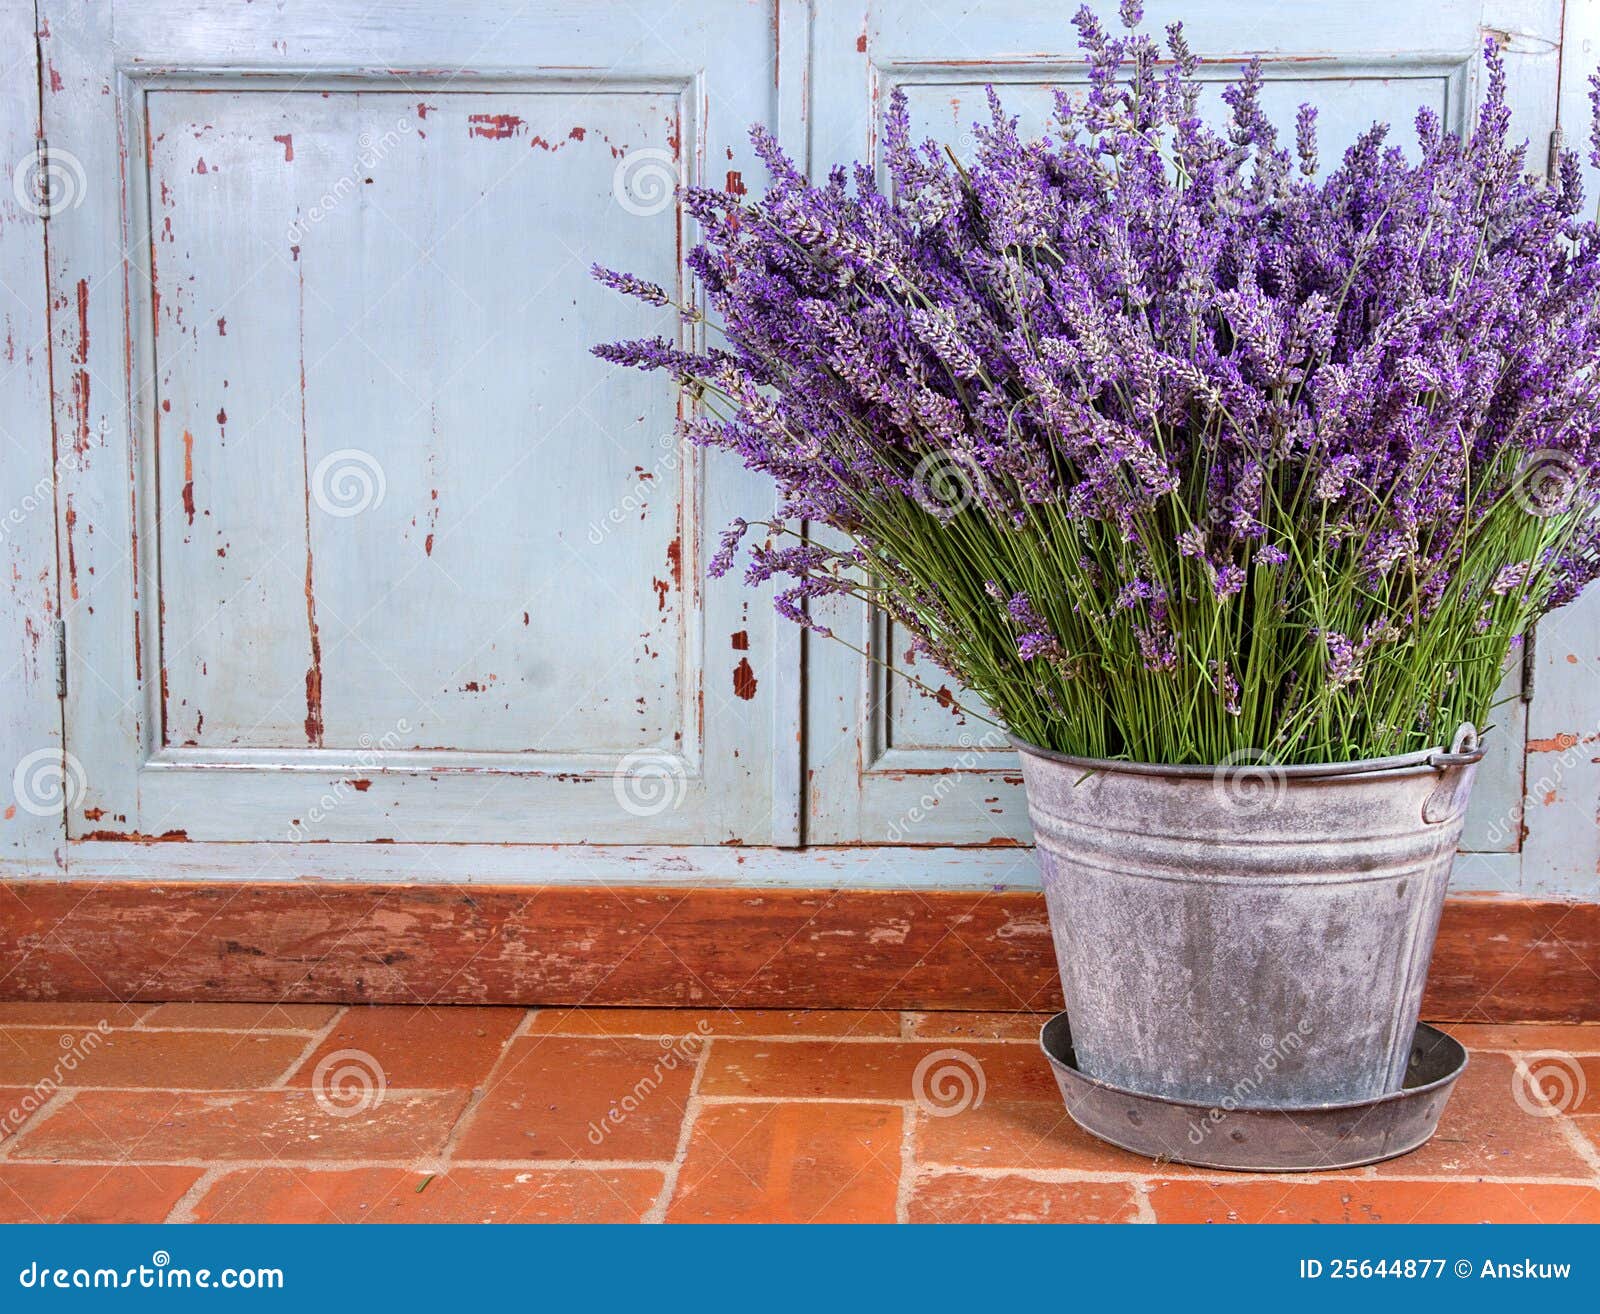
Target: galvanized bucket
[1247,935]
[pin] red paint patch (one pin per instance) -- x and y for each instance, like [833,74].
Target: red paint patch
[662,588]
[314,671]
[861,44]
[493,127]
[360,786]
[222,327]
[81,354]
[736,183]
[188,475]
[200,167]
[741,641]
[744,680]
[675,560]
[286,140]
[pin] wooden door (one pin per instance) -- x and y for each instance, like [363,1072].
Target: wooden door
[358,541]
[894,765]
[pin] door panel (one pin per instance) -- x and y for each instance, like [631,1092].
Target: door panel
[888,762]
[366,545]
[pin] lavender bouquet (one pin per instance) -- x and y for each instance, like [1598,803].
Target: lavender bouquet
[1166,449]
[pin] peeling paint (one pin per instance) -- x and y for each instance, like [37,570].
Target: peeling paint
[188,475]
[744,680]
[493,127]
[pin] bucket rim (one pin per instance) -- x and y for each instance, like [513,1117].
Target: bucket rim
[1427,758]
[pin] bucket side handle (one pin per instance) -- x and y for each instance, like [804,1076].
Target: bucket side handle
[1449,798]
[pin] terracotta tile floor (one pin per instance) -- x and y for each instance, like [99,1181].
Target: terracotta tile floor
[312,1113]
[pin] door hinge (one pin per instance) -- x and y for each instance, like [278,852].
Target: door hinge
[39,201]
[1530,661]
[1552,160]
[61,658]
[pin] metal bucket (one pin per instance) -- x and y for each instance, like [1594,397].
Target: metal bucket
[1247,936]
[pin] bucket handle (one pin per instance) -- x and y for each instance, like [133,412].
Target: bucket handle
[1465,749]
[1449,800]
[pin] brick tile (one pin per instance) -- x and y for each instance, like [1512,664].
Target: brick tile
[162,1126]
[463,1195]
[17,1105]
[1484,1131]
[1566,1081]
[75,1193]
[874,1070]
[975,1026]
[674,1022]
[169,1060]
[1526,1037]
[16,1013]
[1352,1200]
[1019,1134]
[965,1198]
[790,1163]
[552,1098]
[242,1017]
[417,1048]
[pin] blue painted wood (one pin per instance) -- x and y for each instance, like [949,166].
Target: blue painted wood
[889,763]
[37,779]
[371,547]
[440,313]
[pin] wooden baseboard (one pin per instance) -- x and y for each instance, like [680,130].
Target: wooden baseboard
[1498,958]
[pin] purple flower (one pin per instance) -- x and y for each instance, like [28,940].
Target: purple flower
[1065,396]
